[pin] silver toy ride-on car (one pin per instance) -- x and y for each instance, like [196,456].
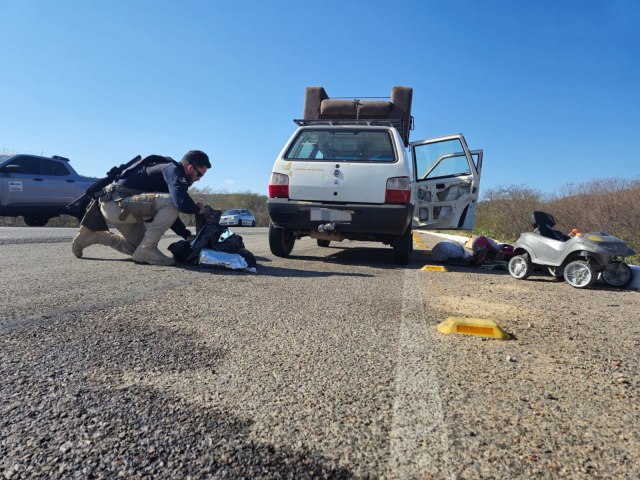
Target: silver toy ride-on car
[579,258]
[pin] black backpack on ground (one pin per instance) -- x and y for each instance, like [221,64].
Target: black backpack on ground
[208,235]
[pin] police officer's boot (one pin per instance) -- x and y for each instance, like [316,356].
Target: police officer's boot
[86,237]
[147,251]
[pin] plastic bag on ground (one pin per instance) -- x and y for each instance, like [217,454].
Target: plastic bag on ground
[215,258]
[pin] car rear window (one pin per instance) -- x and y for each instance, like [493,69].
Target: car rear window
[342,144]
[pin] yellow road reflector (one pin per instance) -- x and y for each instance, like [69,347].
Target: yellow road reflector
[479,327]
[434,268]
[418,241]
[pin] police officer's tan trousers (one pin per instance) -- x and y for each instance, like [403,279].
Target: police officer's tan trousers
[129,214]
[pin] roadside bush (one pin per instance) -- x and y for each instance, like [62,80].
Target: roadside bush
[504,212]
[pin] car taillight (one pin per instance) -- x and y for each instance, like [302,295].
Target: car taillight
[279,186]
[398,190]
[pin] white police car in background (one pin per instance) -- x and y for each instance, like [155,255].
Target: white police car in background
[38,188]
[239,217]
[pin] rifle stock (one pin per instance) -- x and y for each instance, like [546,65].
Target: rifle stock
[76,208]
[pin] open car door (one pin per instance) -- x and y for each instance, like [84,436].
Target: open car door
[447,184]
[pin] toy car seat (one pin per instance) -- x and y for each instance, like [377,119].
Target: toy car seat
[543,223]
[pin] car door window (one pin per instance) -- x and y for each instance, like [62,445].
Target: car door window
[441,159]
[56,169]
[29,165]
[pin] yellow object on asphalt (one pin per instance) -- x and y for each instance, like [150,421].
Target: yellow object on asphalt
[419,242]
[434,268]
[479,327]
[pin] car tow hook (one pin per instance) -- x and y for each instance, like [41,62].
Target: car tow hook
[327,227]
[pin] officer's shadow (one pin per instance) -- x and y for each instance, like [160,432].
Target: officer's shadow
[266,270]
[261,269]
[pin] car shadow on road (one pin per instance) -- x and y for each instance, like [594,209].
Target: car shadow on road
[294,272]
[356,256]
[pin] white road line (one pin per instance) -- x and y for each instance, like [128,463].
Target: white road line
[419,441]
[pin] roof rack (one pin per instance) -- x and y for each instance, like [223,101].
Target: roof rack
[58,157]
[319,109]
[374,122]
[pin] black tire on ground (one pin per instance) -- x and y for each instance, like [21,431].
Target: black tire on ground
[616,274]
[36,221]
[520,266]
[280,241]
[402,246]
[323,243]
[239,222]
[253,223]
[580,274]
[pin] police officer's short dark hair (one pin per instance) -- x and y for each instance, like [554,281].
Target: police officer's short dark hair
[197,158]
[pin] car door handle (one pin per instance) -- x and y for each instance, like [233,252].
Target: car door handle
[37,179]
[70,181]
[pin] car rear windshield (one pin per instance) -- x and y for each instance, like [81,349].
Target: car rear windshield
[342,144]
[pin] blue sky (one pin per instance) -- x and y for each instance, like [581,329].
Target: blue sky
[549,89]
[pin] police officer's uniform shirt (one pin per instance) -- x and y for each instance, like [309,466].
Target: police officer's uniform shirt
[165,178]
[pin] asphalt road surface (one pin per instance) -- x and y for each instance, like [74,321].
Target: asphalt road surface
[327,364]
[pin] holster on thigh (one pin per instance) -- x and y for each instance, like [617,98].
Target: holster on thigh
[93,218]
[141,206]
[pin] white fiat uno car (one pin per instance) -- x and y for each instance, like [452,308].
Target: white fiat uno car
[350,172]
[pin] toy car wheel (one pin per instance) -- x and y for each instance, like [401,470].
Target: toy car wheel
[556,272]
[580,274]
[616,274]
[280,241]
[323,243]
[520,266]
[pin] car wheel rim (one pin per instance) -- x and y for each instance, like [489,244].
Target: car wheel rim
[578,275]
[518,267]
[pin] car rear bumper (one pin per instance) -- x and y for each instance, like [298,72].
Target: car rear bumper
[357,218]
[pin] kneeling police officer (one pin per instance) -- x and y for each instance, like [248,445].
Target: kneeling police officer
[155,192]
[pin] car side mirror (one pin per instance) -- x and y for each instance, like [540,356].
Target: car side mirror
[11,169]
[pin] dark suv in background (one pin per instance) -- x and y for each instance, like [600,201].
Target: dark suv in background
[38,188]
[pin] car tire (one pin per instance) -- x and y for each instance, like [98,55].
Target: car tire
[402,247]
[36,221]
[253,223]
[616,274]
[239,222]
[520,266]
[580,274]
[280,241]
[323,243]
